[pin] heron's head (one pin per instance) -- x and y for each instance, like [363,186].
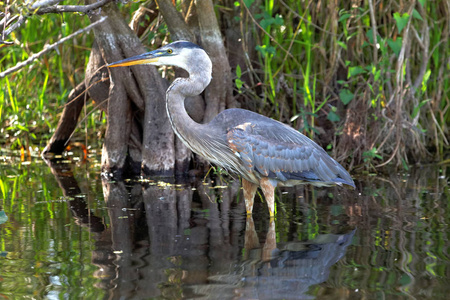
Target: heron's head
[183,54]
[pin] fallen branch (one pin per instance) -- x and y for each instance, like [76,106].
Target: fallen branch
[47,49]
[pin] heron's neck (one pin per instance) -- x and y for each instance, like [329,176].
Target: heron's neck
[189,131]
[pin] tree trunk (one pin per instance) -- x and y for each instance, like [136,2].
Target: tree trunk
[136,100]
[204,30]
[219,93]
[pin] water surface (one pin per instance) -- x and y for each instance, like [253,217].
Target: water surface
[66,233]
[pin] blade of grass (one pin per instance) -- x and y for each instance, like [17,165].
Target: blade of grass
[42,94]
[12,99]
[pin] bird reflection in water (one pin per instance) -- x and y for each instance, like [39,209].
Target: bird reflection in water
[288,270]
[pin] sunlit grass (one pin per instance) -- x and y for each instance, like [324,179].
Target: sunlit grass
[33,98]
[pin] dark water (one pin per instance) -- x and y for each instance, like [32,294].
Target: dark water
[67,234]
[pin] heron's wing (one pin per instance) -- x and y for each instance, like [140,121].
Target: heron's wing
[290,158]
[262,126]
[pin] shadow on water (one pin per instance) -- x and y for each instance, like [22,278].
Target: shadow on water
[192,240]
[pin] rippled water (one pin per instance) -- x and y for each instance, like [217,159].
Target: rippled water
[66,234]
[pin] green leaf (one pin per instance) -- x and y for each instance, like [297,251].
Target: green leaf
[346,96]
[401,20]
[279,20]
[343,45]
[417,15]
[264,49]
[377,75]
[396,45]
[238,83]
[261,49]
[417,108]
[344,17]
[248,3]
[405,165]
[425,80]
[238,71]
[266,22]
[353,71]
[371,154]
[333,117]
[21,127]
[369,35]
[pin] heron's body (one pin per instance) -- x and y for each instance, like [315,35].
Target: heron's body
[264,152]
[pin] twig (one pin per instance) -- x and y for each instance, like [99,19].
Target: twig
[47,49]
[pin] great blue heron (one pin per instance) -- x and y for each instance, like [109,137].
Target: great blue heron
[264,152]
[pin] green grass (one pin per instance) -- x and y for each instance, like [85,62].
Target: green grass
[32,99]
[336,65]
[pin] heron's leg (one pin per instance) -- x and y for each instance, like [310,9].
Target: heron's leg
[268,188]
[249,194]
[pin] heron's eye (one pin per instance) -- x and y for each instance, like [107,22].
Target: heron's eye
[169,51]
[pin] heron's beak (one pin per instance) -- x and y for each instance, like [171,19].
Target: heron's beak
[141,59]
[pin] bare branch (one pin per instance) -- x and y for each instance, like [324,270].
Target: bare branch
[43,3]
[14,26]
[47,49]
[5,18]
[71,8]
[47,6]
